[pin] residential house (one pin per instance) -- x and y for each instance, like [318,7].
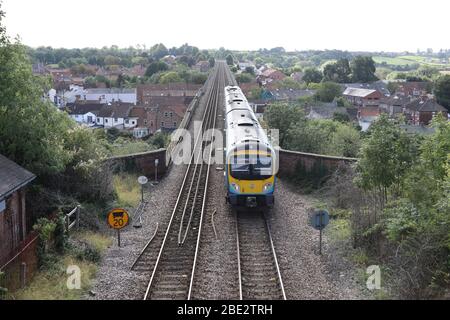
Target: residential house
[394,104]
[247,88]
[291,94]
[324,111]
[15,223]
[413,89]
[271,75]
[71,95]
[114,116]
[156,118]
[362,97]
[39,69]
[379,85]
[170,117]
[147,119]
[85,112]
[62,78]
[367,115]
[244,65]
[169,59]
[421,111]
[146,93]
[202,66]
[135,71]
[110,95]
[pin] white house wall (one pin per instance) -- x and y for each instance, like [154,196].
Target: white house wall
[111,97]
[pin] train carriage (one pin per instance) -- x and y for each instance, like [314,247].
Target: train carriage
[251,162]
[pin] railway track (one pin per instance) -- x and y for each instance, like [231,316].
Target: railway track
[258,269]
[173,272]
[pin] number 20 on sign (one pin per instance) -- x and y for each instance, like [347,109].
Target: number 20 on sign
[118,219]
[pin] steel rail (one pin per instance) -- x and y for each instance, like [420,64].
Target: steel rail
[214,119]
[272,246]
[273,254]
[145,248]
[205,116]
[238,258]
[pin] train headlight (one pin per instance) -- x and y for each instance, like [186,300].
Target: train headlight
[235,186]
[268,187]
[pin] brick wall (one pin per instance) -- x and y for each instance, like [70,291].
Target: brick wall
[289,161]
[142,163]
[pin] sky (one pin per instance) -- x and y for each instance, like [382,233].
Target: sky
[354,25]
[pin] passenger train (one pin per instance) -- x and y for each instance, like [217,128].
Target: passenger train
[251,162]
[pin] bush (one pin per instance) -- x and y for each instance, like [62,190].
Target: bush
[327,91]
[88,253]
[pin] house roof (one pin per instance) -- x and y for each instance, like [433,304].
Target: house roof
[368,112]
[429,105]
[155,101]
[377,85]
[12,177]
[324,111]
[110,91]
[291,94]
[358,92]
[413,85]
[170,86]
[121,110]
[84,108]
[397,100]
[270,72]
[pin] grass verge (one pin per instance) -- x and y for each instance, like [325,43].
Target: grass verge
[127,189]
[51,283]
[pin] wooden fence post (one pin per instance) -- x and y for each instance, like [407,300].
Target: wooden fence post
[67,220]
[78,216]
[23,275]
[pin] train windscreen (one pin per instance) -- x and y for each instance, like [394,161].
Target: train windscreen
[251,167]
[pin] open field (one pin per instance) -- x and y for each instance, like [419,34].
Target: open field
[409,60]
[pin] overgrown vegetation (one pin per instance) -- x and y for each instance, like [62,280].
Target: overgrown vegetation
[50,283]
[296,132]
[398,196]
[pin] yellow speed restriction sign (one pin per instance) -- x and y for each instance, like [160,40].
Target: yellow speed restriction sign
[118,218]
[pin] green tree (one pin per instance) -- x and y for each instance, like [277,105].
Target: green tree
[386,155]
[170,77]
[442,91]
[312,136]
[120,82]
[337,72]
[230,60]
[32,131]
[327,91]
[212,62]
[345,142]
[250,70]
[112,60]
[244,78]
[363,69]
[156,67]
[281,117]
[158,51]
[312,75]
[425,179]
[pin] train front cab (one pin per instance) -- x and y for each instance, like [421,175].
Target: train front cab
[250,179]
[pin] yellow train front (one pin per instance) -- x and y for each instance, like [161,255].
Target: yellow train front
[251,162]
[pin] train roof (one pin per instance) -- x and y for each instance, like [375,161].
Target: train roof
[242,125]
